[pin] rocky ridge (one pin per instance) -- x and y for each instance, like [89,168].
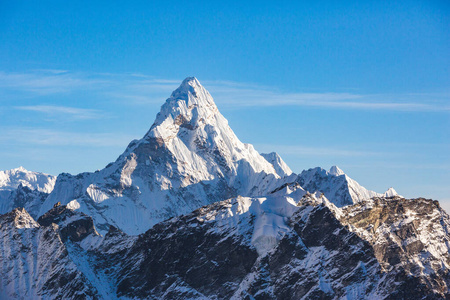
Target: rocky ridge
[291,245]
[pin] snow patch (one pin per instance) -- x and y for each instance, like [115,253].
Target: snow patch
[73,205]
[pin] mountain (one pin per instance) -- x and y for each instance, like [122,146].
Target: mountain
[337,186]
[22,188]
[190,157]
[289,245]
[190,212]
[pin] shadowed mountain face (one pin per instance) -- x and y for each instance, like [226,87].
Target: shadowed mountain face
[35,263]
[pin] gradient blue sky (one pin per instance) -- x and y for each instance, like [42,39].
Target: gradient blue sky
[364,85]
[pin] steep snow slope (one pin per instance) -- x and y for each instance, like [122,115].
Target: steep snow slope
[22,188]
[190,157]
[337,186]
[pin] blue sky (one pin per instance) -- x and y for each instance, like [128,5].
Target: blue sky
[364,85]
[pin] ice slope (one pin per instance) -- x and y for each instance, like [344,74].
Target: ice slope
[337,186]
[190,157]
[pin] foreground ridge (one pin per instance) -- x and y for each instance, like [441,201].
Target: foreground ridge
[311,249]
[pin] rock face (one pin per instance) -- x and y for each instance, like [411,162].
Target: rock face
[410,235]
[72,225]
[190,157]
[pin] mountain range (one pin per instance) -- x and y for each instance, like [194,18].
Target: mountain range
[191,212]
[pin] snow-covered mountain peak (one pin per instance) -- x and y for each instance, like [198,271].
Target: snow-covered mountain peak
[189,85]
[193,94]
[334,170]
[338,187]
[190,157]
[391,193]
[189,107]
[11,179]
[191,127]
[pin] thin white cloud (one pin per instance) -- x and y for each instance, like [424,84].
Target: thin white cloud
[64,111]
[51,71]
[143,89]
[42,83]
[404,166]
[299,150]
[238,95]
[49,137]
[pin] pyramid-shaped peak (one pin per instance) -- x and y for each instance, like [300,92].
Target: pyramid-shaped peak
[191,81]
[336,171]
[391,192]
[278,163]
[20,169]
[190,86]
[189,106]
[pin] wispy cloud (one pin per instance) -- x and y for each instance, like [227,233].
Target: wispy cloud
[141,89]
[240,95]
[43,82]
[48,137]
[64,111]
[299,150]
[404,166]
